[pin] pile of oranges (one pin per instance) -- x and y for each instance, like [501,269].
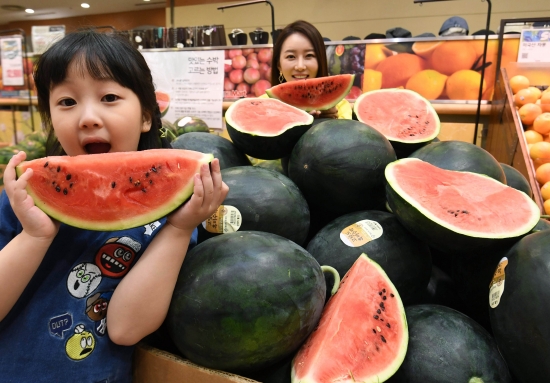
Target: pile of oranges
[533,108]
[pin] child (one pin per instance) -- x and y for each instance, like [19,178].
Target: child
[72,300]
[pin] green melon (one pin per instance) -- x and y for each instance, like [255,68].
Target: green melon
[457,210]
[113,191]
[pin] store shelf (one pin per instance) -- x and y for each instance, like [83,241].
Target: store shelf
[18,101]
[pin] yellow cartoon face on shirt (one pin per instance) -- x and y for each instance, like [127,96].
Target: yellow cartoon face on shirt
[81,344]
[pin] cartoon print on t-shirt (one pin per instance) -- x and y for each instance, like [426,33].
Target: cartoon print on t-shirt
[96,309]
[80,344]
[83,280]
[115,257]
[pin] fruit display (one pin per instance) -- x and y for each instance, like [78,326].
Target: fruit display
[33,144]
[247,72]
[120,190]
[533,111]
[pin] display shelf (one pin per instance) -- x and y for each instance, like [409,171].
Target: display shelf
[18,101]
[505,138]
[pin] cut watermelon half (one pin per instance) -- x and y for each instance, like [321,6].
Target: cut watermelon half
[113,191]
[362,335]
[319,93]
[456,210]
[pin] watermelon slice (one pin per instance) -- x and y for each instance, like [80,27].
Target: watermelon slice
[266,128]
[457,210]
[404,117]
[113,191]
[362,335]
[319,93]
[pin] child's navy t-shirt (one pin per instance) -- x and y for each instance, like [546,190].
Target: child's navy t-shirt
[57,330]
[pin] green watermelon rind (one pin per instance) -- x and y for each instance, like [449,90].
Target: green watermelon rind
[273,92]
[394,140]
[141,219]
[441,234]
[390,370]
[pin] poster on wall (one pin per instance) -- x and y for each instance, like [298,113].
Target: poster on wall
[11,60]
[189,84]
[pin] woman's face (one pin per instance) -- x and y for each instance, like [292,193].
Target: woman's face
[298,60]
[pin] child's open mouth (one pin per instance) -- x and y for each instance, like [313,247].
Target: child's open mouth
[97,147]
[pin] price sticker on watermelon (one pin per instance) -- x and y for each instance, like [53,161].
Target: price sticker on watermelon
[496,287]
[361,232]
[227,219]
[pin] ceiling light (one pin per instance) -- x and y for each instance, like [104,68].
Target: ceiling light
[28,10]
[85,5]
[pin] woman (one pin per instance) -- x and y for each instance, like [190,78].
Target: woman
[299,53]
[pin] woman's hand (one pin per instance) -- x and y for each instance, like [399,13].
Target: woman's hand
[208,194]
[35,222]
[329,113]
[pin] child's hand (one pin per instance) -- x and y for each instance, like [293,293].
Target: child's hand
[34,221]
[329,113]
[209,192]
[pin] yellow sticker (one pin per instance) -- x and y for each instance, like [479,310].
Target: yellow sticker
[496,287]
[361,232]
[227,219]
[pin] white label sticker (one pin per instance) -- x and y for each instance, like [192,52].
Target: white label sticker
[496,288]
[361,232]
[227,219]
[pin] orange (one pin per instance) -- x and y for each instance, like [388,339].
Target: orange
[519,82]
[428,83]
[528,113]
[453,56]
[545,191]
[372,80]
[545,101]
[398,69]
[536,91]
[464,85]
[540,150]
[374,53]
[542,123]
[542,173]
[425,48]
[525,96]
[532,137]
[546,206]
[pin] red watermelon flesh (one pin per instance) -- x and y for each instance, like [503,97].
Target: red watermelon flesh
[319,93]
[399,114]
[265,117]
[488,208]
[113,191]
[163,101]
[362,335]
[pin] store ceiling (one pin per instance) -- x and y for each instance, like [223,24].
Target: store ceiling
[14,10]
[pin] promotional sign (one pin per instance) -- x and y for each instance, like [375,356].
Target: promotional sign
[534,46]
[45,35]
[190,84]
[11,60]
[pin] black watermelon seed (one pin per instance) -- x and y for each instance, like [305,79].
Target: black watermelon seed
[388,325]
[46,164]
[382,304]
[383,339]
[391,295]
[383,290]
[130,179]
[57,188]
[68,177]
[380,293]
[150,182]
[58,169]
[113,184]
[378,311]
[384,297]
[71,185]
[374,331]
[146,174]
[65,191]
[375,317]
[144,190]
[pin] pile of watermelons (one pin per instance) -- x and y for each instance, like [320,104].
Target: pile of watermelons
[444,267]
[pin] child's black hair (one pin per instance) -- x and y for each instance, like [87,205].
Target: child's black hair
[103,56]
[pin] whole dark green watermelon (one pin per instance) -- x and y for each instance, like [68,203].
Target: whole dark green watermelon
[189,124]
[520,319]
[405,259]
[461,156]
[516,180]
[245,300]
[339,166]
[446,346]
[266,200]
[220,147]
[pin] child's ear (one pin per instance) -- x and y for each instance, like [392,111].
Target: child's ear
[146,124]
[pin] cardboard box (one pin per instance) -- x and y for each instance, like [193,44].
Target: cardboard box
[152,365]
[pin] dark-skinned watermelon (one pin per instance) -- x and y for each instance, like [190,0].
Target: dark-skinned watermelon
[221,148]
[405,258]
[461,156]
[515,179]
[245,300]
[339,166]
[362,335]
[265,128]
[113,191]
[452,210]
[261,200]
[446,346]
[403,116]
[320,93]
[519,312]
[189,124]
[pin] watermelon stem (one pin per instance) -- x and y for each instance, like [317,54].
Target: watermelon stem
[167,133]
[544,216]
[334,272]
